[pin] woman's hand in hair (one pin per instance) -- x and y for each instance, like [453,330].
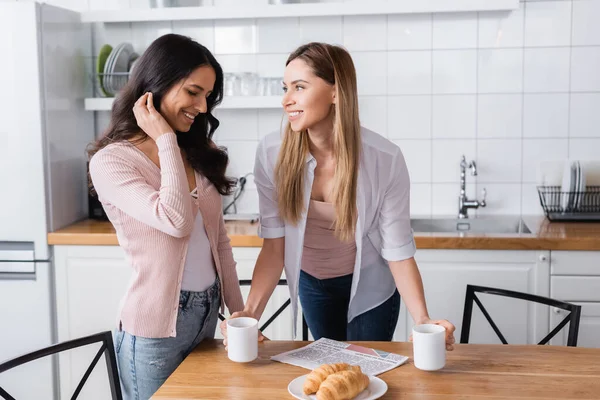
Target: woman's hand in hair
[148,119]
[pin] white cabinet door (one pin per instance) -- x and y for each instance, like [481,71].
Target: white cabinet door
[589,326]
[576,279]
[446,274]
[90,282]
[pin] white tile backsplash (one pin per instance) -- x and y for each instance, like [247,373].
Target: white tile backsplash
[584,149]
[373,113]
[241,157]
[548,23]
[409,72]
[546,115]
[501,198]
[365,32]
[454,30]
[536,151]
[546,70]
[501,29]
[371,72]
[236,36]
[236,63]
[417,154]
[503,88]
[271,65]
[321,29]
[409,32]
[500,71]
[585,69]
[586,30]
[409,117]
[454,116]
[270,120]
[420,199]
[499,116]
[278,35]
[499,160]
[236,125]
[585,115]
[454,71]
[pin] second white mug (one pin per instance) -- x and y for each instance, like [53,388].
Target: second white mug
[429,347]
[242,339]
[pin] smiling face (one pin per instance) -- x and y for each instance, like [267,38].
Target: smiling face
[308,100]
[187,98]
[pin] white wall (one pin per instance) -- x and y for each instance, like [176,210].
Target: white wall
[507,89]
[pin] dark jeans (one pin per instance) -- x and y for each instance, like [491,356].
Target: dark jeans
[325,308]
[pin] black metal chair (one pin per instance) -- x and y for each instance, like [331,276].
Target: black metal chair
[572,318]
[282,282]
[107,347]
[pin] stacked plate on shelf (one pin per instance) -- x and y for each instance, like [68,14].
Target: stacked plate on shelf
[114,66]
[573,186]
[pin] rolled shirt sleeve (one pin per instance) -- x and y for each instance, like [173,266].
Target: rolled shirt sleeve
[271,225]
[394,220]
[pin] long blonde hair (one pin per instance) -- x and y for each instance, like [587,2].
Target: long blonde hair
[334,65]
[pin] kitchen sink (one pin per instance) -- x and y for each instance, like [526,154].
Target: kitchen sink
[470,225]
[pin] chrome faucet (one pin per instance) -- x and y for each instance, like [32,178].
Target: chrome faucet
[463,202]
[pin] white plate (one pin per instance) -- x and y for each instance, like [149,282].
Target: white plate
[566,188]
[375,390]
[108,69]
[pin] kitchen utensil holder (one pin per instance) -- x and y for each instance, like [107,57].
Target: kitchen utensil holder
[588,209]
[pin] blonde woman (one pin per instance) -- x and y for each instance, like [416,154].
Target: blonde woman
[334,210]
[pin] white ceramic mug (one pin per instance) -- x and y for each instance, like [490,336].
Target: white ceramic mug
[429,347]
[242,339]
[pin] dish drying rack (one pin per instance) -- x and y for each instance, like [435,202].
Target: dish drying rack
[108,85]
[559,205]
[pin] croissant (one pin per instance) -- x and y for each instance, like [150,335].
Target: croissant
[343,385]
[318,375]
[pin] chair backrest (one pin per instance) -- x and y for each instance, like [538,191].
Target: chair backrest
[107,347]
[572,318]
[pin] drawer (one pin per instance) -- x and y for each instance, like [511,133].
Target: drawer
[575,288]
[575,263]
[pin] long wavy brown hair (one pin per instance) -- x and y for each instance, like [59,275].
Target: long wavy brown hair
[334,65]
[167,61]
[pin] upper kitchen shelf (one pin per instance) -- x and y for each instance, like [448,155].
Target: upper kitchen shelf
[298,10]
[229,102]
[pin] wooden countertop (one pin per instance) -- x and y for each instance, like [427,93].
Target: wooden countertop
[471,372]
[546,236]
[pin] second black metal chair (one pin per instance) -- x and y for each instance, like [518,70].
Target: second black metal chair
[572,319]
[106,348]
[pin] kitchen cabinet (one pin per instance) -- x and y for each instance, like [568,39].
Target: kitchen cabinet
[575,277]
[90,282]
[446,273]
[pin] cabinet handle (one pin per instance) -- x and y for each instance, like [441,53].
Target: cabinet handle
[543,258]
[557,310]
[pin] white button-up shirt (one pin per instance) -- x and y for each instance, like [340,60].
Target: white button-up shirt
[383,231]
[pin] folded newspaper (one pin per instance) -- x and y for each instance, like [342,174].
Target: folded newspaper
[327,351]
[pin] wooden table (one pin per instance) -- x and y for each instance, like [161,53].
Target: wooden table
[471,372]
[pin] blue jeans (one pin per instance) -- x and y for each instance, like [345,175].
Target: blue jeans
[146,363]
[325,308]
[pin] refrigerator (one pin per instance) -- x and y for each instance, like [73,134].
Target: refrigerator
[44,130]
